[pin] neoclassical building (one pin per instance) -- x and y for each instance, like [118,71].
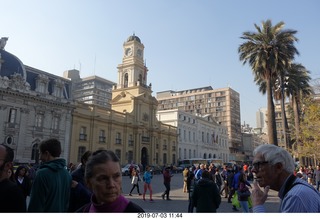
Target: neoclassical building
[34,105]
[199,136]
[130,128]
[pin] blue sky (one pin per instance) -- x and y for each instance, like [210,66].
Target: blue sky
[188,44]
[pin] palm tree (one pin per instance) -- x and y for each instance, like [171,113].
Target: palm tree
[268,51]
[298,87]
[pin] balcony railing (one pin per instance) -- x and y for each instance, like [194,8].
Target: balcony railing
[82,137]
[118,141]
[102,139]
[131,143]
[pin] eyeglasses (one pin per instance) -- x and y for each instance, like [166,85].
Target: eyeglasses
[257,165]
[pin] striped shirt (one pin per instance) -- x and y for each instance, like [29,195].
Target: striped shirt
[300,198]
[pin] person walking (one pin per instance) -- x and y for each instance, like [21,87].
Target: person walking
[224,175]
[166,181]
[135,182]
[206,197]
[190,189]
[185,174]
[273,167]
[243,193]
[51,188]
[147,176]
[11,196]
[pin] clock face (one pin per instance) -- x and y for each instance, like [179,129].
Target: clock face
[128,52]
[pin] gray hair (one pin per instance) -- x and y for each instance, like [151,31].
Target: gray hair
[275,154]
[99,157]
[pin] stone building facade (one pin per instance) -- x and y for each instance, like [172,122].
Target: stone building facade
[130,128]
[199,136]
[34,106]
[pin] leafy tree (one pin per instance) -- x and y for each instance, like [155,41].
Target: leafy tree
[269,51]
[309,130]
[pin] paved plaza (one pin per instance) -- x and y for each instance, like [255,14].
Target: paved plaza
[179,201]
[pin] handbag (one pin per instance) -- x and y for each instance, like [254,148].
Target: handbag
[244,194]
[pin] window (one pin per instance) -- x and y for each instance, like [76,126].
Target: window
[81,151]
[125,80]
[202,136]
[55,123]
[102,136]
[12,115]
[39,120]
[130,141]
[83,133]
[164,158]
[35,153]
[118,138]
[130,156]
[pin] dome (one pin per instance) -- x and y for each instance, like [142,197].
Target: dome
[10,64]
[133,38]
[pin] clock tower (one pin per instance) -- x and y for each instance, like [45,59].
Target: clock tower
[133,99]
[132,72]
[132,94]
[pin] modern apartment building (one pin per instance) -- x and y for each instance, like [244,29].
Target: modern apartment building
[223,104]
[92,90]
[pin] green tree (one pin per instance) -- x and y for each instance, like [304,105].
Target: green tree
[298,88]
[309,130]
[268,51]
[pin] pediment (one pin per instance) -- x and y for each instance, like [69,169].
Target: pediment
[123,96]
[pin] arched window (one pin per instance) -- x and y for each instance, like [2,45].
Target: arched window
[35,153]
[125,83]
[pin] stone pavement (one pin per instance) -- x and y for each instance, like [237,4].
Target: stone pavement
[179,201]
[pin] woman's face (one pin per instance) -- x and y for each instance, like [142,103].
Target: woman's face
[22,172]
[9,173]
[106,182]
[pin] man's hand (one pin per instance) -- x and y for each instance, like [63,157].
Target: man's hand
[259,197]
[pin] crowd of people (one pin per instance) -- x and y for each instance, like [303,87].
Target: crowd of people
[95,185]
[272,168]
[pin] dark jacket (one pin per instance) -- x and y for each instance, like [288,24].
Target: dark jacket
[206,197]
[81,194]
[11,197]
[25,186]
[51,188]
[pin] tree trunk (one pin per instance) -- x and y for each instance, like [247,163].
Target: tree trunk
[272,129]
[285,127]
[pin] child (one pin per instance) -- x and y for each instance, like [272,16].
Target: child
[243,192]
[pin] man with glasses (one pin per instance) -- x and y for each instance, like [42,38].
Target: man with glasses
[11,196]
[273,168]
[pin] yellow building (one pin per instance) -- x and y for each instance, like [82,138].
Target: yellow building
[130,128]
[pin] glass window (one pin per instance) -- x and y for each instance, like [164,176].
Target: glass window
[12,115]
